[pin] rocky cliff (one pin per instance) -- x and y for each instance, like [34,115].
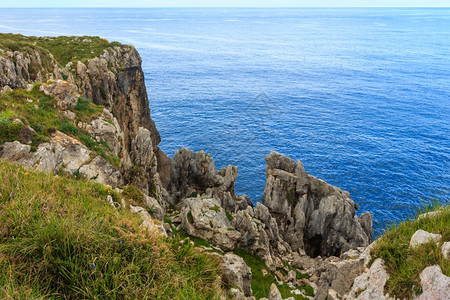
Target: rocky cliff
[88,114]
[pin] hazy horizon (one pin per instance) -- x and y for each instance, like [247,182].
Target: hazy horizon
[225,4]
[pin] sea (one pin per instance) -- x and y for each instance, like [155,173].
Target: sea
[360,96]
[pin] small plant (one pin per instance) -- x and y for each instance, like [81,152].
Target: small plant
[190,218]
[229,215]
[68,127]
[215,208]
[64,76]
[134,194]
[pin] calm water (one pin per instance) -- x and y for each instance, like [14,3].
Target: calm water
[361,96]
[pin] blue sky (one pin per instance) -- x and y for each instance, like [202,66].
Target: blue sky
[225,3]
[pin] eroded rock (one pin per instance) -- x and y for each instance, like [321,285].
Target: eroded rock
[205,218]
[435,285]
[100,170]
[421,237]
[235,273]
[312,214]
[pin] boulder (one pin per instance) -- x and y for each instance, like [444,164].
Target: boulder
[100,170]
[274,293]
[205,218]
[106,128]
[64,92]
[421,237]
[74,154]
[235,273]
[435,285]
[370,284]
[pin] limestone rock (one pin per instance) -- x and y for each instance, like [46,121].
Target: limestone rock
[106,128]
[100,170]
[148,223]
[205,218]
[446,250]
[311,214]
[195,174]
[74,154]
[339,274]
[235,273]
[274,293]
[64,92]
[155,206]
[370,284]
[435,285]
[115,80]
[421,237]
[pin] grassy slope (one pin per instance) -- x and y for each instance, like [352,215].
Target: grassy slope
[405,264]
[64,48]
[40,112]
[59,238]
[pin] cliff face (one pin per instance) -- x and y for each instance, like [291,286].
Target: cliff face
[114,79]
[101,129]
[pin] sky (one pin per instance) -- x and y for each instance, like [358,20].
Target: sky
[225,3]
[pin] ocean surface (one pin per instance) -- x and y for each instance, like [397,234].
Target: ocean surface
[360,96]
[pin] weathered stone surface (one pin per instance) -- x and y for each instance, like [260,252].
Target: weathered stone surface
[205,218]
[195,174]
[64,92]
[106,128]
[274,293]
[370,284]
[116,81]
[446,250]
[339,274]
[312,214]
[74,153]
[155,206]
[235,273]
[18,68]
[47,158]
[421,237]
[435,285]
[100,170]
[260,234]
[148,223]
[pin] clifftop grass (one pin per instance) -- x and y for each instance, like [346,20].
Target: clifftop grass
[403,263]
[63,48]
[60,239]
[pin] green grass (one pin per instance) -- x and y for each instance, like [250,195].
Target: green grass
[59,238]
[261,283]
[86,111]
[34,109]
[134,195]
[215,208]
[403,263]
[64,48]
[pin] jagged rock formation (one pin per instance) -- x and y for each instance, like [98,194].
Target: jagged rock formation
[311,214]
[195,174]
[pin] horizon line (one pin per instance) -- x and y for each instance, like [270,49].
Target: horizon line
[256,7]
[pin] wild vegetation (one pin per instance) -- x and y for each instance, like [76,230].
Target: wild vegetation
[22,108]
[64,49]
[60,239]
[261,281]
[403,263]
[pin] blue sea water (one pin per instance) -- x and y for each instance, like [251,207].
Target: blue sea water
[360,96]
